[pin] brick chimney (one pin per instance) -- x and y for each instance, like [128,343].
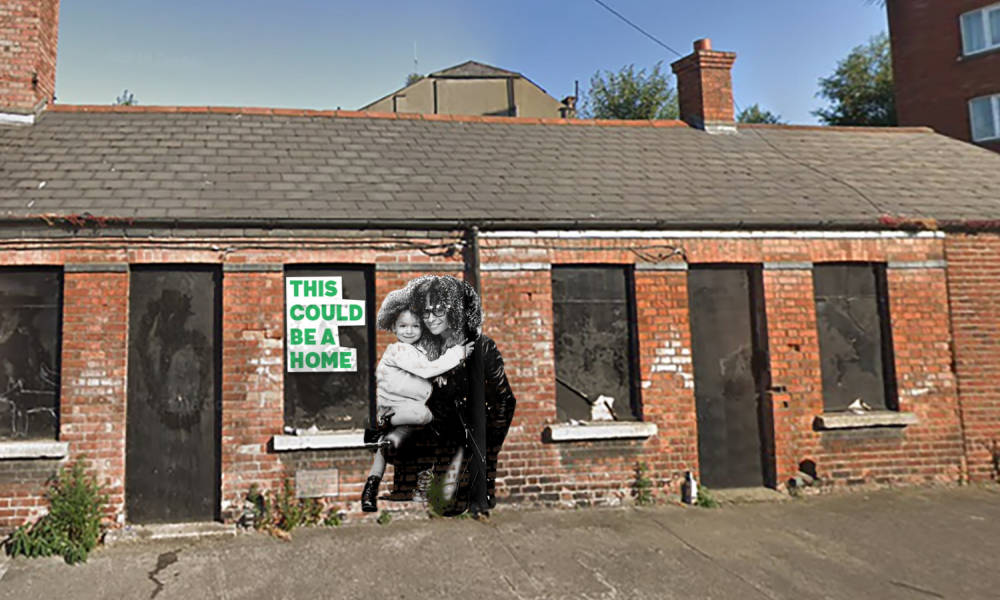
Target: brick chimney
[29,31]
[705,88]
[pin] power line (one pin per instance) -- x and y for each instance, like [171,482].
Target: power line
[636,27]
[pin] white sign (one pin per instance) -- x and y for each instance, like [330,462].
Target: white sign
[316,308]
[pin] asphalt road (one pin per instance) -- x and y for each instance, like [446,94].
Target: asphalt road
[914,544]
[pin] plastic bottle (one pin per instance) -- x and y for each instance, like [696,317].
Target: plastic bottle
[689,489]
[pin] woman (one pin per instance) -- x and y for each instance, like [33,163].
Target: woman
[452,312]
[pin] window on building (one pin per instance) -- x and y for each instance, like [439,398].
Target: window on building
[855,339]
[595,341]
[30,321]
[984,114]
[337,400]
[981,30]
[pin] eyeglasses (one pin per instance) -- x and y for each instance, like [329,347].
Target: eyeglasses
[438,311]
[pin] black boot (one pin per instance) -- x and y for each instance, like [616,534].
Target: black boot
[369,496]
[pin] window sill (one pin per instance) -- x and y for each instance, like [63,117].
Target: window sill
[880,418]
[599,430]
[974,55]
[33,449]
[333,440]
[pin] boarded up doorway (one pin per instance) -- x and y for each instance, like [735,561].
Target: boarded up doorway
[728,347]
[172,436]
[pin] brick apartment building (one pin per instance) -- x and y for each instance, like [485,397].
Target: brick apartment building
[733,290]
[946,66]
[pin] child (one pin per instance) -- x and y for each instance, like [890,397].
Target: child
[402,386]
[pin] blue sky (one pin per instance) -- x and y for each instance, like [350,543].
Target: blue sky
[332,53]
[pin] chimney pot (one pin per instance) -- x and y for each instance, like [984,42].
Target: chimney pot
[702,44]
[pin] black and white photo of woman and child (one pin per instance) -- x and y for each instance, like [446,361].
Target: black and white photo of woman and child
[423,400]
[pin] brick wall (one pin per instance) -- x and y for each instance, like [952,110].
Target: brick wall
[28,39]
[973,273]
[930,451]
[253,404]
[516,285]
[705,85]
[94,368]
[934,82]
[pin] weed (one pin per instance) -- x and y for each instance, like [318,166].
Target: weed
[384,518]
[281,512]
[705,499]
[333,519]
[994,450]
[72,527]
[642,486]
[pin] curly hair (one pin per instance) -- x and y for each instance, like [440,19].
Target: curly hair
[396,303]
[465,311]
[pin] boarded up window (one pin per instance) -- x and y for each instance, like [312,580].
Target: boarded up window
[855,343]
[337,400]
[30,319]
[593,310]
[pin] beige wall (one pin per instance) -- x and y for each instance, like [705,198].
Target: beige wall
[470,97]
[533,102]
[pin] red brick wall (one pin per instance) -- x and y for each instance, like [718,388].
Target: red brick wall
[518,316]
[974,288]
[518,305]
[705,87]
[94,368]
[253,404]
[29,31]
[934,82]
[795,368]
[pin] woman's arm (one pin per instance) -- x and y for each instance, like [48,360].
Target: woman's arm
[500,401]
[411,360]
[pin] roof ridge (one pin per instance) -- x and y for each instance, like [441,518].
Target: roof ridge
[491,69]
[357,114]
[351,114]
[857,128]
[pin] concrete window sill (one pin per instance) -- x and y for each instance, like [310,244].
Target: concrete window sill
[881,418]
[33,449]
[975,55]
[599,430]
[332,440]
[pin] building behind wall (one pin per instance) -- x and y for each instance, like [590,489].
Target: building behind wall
[733,291]
[946,67]
[475,89]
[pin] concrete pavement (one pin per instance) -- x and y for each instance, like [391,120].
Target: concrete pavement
[890,545]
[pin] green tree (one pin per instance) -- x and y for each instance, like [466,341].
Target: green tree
[630,95]
[126,99]
[413,78]
[755,114]
[860,90]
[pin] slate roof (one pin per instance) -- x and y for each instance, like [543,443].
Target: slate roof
[474,69]
[274,166]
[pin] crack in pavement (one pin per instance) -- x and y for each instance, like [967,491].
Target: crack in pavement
[162,562]
[712,560]
[915,588]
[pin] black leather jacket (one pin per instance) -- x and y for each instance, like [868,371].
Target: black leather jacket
[500,402]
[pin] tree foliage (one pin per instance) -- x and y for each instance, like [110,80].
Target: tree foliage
[126,99]
[413,78]
[630,95]
[860,91]
[755,114]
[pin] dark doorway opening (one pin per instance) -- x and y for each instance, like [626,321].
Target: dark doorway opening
[731,375]
[172,461]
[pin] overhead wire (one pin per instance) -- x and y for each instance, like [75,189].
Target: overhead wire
[636,27]
[739,110]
